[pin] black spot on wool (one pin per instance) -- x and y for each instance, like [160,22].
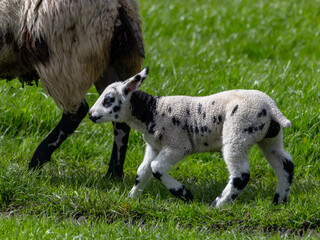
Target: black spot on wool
[234,110]
[289,168]
[175,121]
[273,130]
[143,107]
[199,108]
[241,182]
[157,175]
[263,113]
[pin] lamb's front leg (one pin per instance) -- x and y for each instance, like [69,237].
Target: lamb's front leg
[144,172]
[161,165]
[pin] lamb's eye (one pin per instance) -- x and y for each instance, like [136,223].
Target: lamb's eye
[108,100]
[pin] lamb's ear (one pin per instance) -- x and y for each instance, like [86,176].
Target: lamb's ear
[134,83]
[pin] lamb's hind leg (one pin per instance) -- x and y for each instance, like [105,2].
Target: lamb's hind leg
[160,167]
[281,161]
[239,170]
[66,126]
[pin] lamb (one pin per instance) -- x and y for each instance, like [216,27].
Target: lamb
[176,126]
[71,45]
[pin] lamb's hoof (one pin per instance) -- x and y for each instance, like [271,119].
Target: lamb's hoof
[183,194]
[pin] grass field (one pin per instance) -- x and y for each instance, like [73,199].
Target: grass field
[193,47]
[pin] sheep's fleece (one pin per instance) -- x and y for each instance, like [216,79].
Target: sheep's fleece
[177,126]
[69,45]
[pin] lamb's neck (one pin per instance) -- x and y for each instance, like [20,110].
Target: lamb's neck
[143,110]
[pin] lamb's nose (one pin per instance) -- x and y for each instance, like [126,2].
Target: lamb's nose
[93,118]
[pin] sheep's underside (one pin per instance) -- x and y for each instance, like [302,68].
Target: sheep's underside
[28,56]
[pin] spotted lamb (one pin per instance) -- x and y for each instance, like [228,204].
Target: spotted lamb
[177,126]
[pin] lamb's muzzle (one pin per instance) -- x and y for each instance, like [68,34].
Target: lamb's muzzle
[176,126]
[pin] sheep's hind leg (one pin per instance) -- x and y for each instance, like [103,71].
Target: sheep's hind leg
[144,172]
[239,170]
[281,161]
[160,167]
[66,126]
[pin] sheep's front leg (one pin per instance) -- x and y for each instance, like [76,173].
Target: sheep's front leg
[120,144]
[66,126]
[144,172]
[239,170]
[161,165]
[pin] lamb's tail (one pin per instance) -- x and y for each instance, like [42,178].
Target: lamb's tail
[279,117]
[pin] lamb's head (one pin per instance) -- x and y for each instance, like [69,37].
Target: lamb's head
[112,105]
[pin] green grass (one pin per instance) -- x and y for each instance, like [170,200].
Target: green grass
[193,47]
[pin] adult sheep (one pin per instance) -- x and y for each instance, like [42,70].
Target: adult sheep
[71,45]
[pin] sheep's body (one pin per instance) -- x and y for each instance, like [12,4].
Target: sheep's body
[177,126]
[70,45]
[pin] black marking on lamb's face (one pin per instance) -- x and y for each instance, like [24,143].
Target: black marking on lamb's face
[169,110]
[137,77]
[199,108]
[116,108]
[240,182]
[157,175]
[276,198]
[273,130]
[234,110]
[137,181]
[182,193]
[108,100]
[176,121]
[263,113]
[253,129]
[143,107]
[289,168]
